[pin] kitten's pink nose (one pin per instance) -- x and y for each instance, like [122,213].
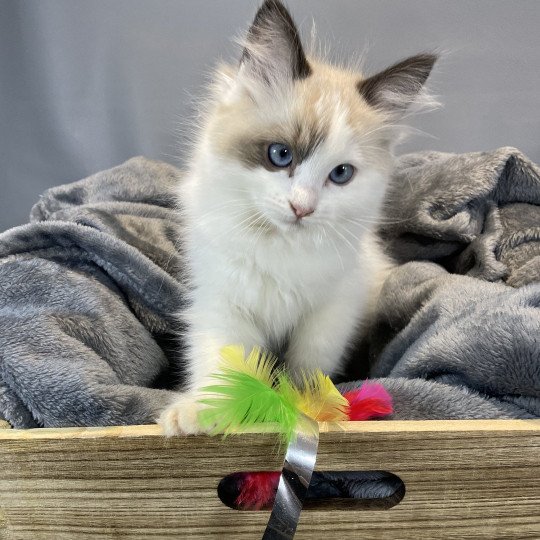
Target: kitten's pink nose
[301,211]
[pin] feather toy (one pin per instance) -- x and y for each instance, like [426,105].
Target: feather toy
[253,389]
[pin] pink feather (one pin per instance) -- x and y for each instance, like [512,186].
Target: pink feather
[369,401]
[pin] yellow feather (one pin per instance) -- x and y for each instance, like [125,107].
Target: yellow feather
[259,364]
[321,400]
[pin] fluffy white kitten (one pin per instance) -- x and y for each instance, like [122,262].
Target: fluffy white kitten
[282,194]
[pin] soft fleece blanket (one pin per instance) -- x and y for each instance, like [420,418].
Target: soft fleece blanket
[88,291]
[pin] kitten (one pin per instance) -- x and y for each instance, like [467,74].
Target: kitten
[284,189]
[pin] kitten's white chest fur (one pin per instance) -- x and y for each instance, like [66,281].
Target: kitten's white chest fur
[259,285]
[271,283]
[284,190]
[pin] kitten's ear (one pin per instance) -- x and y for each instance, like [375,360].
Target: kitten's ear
[397,87]
[273,50]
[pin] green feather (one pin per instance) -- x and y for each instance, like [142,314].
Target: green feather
[241,401]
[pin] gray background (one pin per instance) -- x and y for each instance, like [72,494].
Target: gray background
[85,85]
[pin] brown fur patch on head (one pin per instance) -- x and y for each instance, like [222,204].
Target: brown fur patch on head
[301,116]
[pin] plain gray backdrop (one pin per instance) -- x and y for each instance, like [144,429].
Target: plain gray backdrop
[86,84]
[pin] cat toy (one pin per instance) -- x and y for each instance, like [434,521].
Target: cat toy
[253,390]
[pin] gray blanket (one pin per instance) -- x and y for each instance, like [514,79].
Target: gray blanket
[87,290]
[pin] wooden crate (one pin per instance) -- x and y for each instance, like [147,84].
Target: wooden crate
[464,479]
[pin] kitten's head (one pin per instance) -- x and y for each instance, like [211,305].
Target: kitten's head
[300,143]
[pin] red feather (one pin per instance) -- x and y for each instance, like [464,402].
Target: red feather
[257,490]
[369,401]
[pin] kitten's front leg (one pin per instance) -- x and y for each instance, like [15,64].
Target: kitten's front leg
[322,337]
[182,415]
[202,361]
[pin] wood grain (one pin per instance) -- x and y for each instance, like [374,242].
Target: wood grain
[464,479]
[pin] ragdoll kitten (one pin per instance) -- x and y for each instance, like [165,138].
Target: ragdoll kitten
[283,191]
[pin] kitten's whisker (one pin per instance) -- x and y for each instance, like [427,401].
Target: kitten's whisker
[264,227]
[369,147]
[238,214]
[351,233]
[345,239]
[382,128]
[356,238]
[228,202]
[236,189]
[362,226]
[361,221]
[210,220]
[377,221]
[248,228]
[213,209]
[336,250]
[238,225]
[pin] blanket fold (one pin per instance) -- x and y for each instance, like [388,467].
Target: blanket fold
[87,301]
[476,214]
[89,289]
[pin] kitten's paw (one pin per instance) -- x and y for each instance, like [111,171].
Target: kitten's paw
[181,418]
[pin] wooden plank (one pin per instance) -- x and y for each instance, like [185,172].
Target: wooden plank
[464,479]
[154,430]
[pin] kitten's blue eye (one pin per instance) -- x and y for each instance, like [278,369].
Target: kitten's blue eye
[280,155]
[342,173]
